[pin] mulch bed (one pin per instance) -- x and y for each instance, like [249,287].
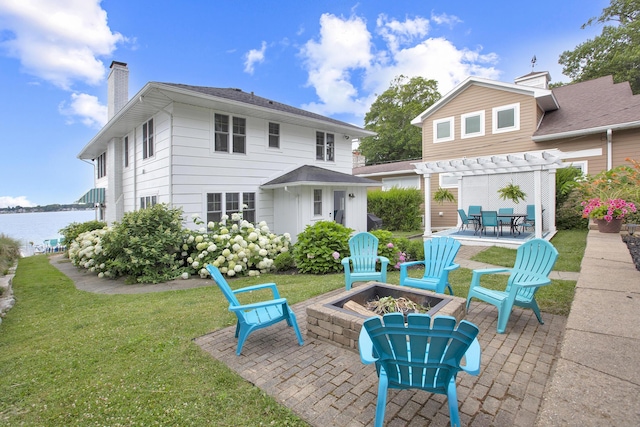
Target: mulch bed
[633,243]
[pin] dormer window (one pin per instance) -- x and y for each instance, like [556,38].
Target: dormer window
[443,129]
[506,118]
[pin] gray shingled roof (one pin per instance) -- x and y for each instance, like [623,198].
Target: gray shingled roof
[250,98]
[314,174]
[386,168]
[591,104]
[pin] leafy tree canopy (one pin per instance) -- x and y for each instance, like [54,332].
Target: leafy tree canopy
[390,117]
[614,52]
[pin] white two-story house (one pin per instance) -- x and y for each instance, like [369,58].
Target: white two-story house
[216,151]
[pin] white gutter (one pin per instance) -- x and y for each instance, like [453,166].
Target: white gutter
[583,132]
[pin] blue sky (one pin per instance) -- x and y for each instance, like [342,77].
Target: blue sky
[332,57]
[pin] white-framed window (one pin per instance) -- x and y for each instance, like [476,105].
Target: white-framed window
[147,139]
[317,202]
[148,201]
[506,118]
[221,134]
[448,180]
[472,124]
[443,129]
[325,146]
[102,165]
[219,204]
[125,151]
[401,182]
[274,135]
[582,165]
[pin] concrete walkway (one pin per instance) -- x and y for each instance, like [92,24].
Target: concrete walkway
[578,371]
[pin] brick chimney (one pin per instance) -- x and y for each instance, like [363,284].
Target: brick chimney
[118,88]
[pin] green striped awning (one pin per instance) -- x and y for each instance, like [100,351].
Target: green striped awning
[93,196]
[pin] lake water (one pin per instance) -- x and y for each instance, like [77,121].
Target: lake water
[37,227]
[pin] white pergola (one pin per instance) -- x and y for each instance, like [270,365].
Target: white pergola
[526,165]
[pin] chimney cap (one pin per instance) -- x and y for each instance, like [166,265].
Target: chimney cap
[113,63]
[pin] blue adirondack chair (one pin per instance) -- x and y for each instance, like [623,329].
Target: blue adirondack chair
[252,317]
[418,355]
[534,261]
[439,254]
[360,266]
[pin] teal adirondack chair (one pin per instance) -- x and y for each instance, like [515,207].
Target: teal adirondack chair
[360,266]
[252,317]
[534,261]
[419,355]
[439,254]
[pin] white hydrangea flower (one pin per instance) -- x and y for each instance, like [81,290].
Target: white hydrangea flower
[185,276]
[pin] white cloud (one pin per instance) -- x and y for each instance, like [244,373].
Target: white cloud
[349,66]
[87,107]
[254,56]
[11,202]
[59,41]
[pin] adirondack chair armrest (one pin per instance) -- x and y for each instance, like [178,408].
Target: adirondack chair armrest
[475,277]
[472,359]
[243,307]
[365,347]
[411,264]
[541,281]
[272,286]
[452,267]
[383,260]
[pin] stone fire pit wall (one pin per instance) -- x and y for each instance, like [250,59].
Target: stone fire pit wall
[342,327]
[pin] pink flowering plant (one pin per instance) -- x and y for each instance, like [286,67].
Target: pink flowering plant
[608,210]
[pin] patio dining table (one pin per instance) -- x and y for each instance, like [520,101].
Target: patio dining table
[515,219]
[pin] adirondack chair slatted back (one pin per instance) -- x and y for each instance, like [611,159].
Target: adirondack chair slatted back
[416,354]
[534,260]
[224,286]
[364,251]
[438,254]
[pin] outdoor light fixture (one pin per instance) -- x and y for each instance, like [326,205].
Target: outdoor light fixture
[631,229]
[351,195]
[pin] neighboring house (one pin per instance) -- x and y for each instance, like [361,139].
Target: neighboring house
[485,134]
[215,151]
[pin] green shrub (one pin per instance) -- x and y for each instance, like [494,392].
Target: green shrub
[399,208]
[145,245]
[9,253]
[284,262]
[73,230]
[321,247]
[569,213]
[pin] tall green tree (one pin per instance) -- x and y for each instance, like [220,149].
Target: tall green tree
[614,52]
[390,117]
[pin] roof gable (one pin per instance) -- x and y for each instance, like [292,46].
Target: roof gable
[309,175]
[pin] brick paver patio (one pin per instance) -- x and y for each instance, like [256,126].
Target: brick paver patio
[328,386]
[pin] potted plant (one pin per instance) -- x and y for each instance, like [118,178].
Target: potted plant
[512,192]
[607,214]
[443,195]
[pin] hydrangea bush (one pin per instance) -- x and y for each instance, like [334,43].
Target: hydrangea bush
[152,246]
[234,245]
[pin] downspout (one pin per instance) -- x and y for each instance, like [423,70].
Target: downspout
[609,149]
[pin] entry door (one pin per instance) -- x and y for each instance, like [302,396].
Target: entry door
[339,206]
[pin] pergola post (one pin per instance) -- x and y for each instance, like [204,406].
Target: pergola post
[427,205]
[537,185]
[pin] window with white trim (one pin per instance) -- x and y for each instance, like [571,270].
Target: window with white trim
[443,129]
[582,165]
[102,165]
[325,146]
[221,134]
[472,124]
[317,202]
[274,135]
[125,150]
[506,118]
[147,139]
[148,201]
[448,180]
[219,204]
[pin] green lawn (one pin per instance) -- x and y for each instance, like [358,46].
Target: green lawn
[74,358]
[569,243]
